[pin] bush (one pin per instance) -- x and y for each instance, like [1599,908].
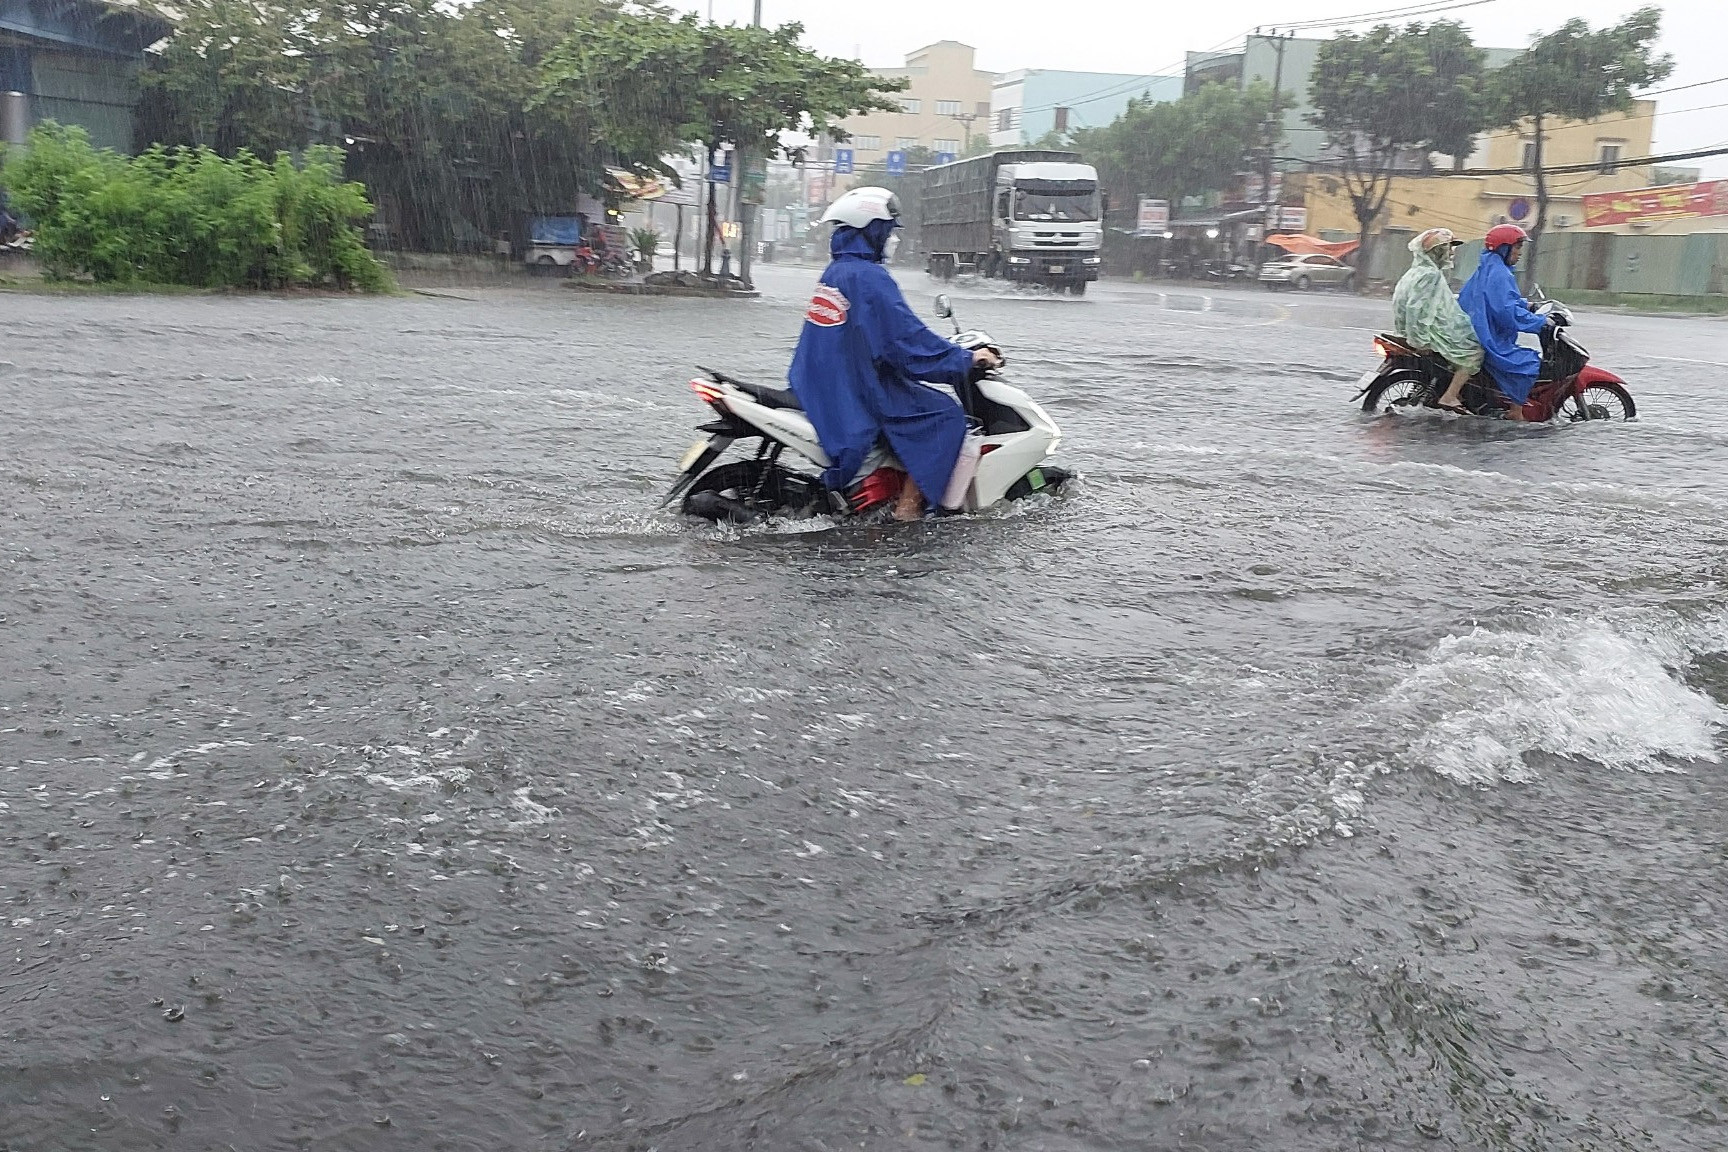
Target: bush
[188,216]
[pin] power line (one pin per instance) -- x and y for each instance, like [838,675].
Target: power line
[1603,166]
[1681,88]
[1432,7]
[1700,108]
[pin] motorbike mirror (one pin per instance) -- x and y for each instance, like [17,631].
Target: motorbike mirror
[943,308]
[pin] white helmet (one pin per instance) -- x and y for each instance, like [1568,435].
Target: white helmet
[862,205]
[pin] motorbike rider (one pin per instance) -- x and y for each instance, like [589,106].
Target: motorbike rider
[1425,312]
[1498,313]
[861,357]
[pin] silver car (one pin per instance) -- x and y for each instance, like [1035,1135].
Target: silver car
[1311,271]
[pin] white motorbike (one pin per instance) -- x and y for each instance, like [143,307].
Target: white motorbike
[1016,437]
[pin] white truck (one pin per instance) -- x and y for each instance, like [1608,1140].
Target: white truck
[1029,216]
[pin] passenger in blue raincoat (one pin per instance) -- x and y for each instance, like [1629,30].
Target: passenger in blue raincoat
[1498,313]
[862,355]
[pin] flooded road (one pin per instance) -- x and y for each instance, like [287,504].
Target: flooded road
[378,769]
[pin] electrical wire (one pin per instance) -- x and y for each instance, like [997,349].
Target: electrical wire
[1681,88]
[1434,7]
[1559,170]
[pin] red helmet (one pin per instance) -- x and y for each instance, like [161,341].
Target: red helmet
[1503,234]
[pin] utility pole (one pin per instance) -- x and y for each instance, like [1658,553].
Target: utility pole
[966,119]
[1274,134]
[746,209]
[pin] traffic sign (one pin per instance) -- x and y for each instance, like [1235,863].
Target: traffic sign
[896,163]
[720,174]
[947,157]
[842,161]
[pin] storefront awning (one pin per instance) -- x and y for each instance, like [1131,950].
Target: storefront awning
[634,187]
[1301,245]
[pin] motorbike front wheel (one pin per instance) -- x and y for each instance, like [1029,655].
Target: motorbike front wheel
[1603,401]
[1395,392]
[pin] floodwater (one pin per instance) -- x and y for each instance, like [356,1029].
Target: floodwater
[380,770]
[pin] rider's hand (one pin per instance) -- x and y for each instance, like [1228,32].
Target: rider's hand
[986,358]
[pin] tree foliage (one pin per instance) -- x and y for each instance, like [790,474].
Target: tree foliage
[192,217]
[1573,73]
[712,84]
[1391,97]
[1176,148]
[466,118]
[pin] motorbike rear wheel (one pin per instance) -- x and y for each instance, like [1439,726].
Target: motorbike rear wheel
[1403,390]
[749,491]
[1602,401]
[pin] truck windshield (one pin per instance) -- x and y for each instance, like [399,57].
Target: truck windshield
[1060,207]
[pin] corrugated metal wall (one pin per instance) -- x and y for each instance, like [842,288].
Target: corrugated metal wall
[1694,265]
[97,93]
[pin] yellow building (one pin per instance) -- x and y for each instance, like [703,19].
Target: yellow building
[945,101]
[1470,205]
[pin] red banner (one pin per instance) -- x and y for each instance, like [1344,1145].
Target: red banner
[1650,205]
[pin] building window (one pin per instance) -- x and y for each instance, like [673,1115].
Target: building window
[1061,119]
[1528,163]
[1608,156]
[911,104]
[945,145]
[867,143]
[1008,119]
[947,107]
[905,143]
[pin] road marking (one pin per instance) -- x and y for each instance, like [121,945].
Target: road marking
[1685,360]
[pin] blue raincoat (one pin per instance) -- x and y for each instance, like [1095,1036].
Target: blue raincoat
[859,362]
[1498,313]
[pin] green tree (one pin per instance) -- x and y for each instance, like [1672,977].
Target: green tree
[713,85]
[1573,73]
[1387,99]
[1169,149]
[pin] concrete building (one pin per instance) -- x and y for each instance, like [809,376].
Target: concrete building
[74,61]
[1029,104]
[946,102]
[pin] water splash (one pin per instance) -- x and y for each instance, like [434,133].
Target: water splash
[1601,688]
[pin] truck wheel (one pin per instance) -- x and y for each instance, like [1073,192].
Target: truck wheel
[1078,287]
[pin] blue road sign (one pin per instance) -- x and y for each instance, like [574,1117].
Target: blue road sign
[947,157]
[896,163]
[842,161]
[720,174]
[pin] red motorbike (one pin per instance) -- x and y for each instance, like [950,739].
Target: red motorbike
[1569,387]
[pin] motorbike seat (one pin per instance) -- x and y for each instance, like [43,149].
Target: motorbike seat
[761,393]
[771,397]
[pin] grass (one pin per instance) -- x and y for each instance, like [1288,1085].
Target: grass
[1643,302]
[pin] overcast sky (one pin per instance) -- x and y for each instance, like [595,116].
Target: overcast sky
[1137,36]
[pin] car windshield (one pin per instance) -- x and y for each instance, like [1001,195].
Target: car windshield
[1062,207]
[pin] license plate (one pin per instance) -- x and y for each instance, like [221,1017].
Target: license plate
[1366,379]
[1058,268]
[693,455]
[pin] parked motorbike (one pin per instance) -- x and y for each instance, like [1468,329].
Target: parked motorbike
[1018,436]
[1230,270]
[1569,388]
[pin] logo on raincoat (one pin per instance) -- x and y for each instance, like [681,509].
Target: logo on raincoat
[828,307]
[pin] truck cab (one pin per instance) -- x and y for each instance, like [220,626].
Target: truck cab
[1047,225]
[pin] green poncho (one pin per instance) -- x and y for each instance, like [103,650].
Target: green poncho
[1425,312]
